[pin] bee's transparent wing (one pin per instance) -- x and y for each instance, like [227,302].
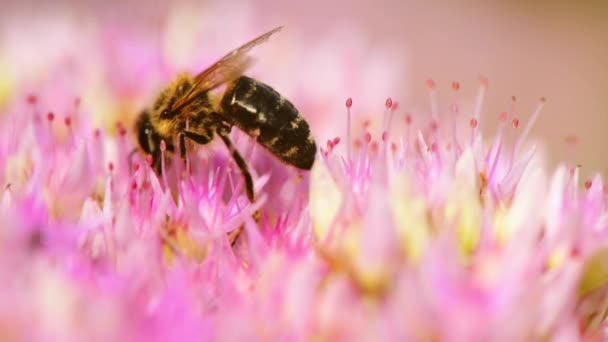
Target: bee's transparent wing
[228,68]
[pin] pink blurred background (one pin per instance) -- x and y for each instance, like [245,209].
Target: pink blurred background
[332,50]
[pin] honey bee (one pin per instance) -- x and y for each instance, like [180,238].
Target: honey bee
[189,109]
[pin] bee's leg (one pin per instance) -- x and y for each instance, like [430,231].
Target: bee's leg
[240,162]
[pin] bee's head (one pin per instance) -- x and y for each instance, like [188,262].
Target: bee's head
[146,135]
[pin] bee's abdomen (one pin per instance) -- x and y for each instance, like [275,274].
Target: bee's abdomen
[264,114]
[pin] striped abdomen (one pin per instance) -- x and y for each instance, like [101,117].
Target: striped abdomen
[272,120]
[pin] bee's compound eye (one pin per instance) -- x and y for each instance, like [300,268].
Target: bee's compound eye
[164,114]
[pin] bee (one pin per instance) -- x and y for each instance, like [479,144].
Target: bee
[189,109]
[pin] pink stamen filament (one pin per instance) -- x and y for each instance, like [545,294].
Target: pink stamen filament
[483,83]
[433,99]
[349,103]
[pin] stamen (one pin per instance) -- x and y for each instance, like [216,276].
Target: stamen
[68,123]
[388,104]
[408,123]
[455,110]
[32,99]
[483,83]
[135,166]
[588,184]
[50,117]
[515,123]
[531,122]
[433,98]
[473,123]
[349,103]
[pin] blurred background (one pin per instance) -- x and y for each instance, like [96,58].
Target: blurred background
[115,55]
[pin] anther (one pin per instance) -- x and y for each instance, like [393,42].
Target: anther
[515,123]
[388,103]
[349,102]
[455,85]
[67,121]
[503,117]
[135,166]
[588,184]
[50,116]
[473,123]
[32,99]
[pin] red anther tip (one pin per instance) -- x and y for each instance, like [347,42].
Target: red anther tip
[455,85]
[388,103]
[483,81]
[111,166]
[571,139]
[543,99]
[503,116]
[32,99]
[149,160]
[588,184]
[97,133]
[50,116]
[330,145]
[122,131]
[431,84]
[336,141]
[408,119]
[67,121]
[368,137]
[163,146]
[349,102]
[473,123]
[515,123]
[135,166]
[434,125]
[384,136]
[134,185]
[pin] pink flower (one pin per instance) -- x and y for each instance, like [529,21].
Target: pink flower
[411,227]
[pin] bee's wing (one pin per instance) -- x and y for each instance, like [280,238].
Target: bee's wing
[230,67]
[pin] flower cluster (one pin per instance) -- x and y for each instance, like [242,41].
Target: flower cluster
[409,233]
